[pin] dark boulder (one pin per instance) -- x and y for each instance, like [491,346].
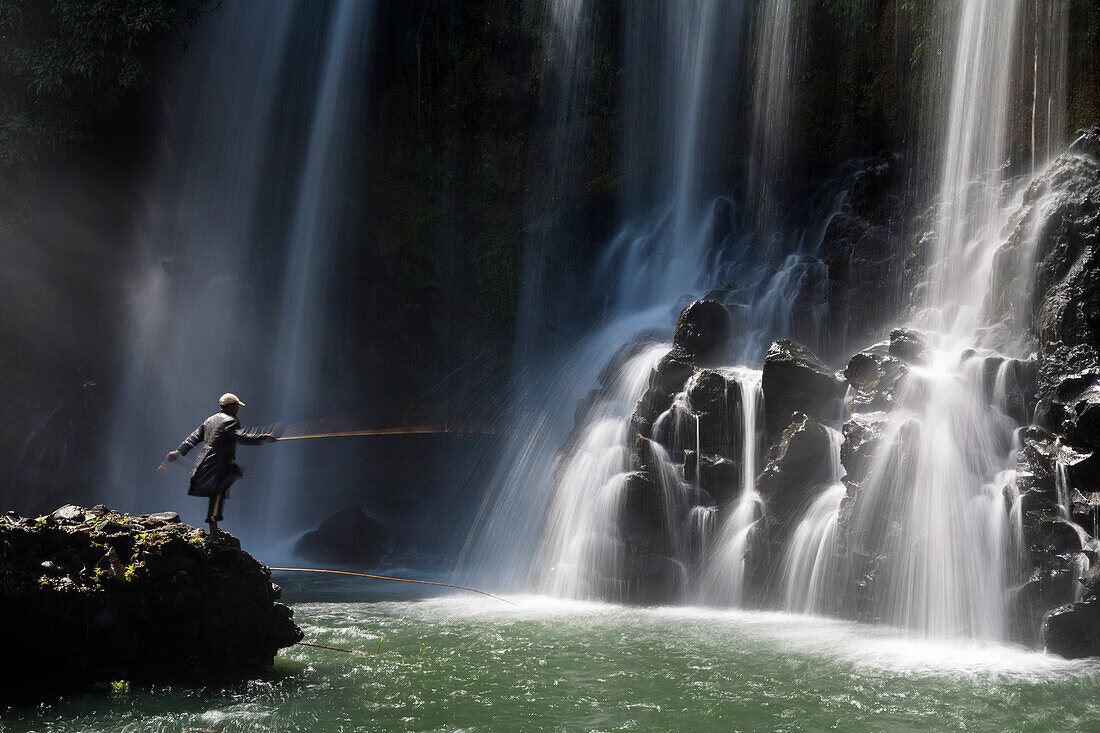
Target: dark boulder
[909,346]
[647,573]
[864,437]
[875,376]
[794,380]
[642,525]
[673,370]
[1010,384]
[803,461]
[717,475]
[652,579]
[153,605]
[667,379]
[1036,471]
[1073,630]
[703,329]
[716,401]
[348,537]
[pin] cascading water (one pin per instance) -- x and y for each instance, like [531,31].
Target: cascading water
[665,250]
[723,578]
[656,258]
[933,505]
[222,237]
[583,545]
[769,154]
[810,563]
[970,185]
[938,510]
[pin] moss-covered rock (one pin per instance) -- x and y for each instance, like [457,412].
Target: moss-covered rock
[89,595]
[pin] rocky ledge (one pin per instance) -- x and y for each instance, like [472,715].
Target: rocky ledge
[89,595]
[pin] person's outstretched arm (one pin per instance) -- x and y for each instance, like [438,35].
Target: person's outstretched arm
[253,437]
[189,442]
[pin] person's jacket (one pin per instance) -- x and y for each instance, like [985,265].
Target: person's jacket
[215,470]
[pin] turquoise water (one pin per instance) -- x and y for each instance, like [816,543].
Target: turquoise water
[471,663]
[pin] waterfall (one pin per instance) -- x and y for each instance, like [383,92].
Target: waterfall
[583,547]
[970,185]
[935,500]
[236,247]
[809,565]
[723,579]
[309,268]
[684,59]
[935,477]
[777,63]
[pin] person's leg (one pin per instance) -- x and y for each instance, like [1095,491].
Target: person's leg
[214,512]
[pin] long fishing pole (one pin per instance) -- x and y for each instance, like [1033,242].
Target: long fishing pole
[341,649]
[386,577]
[410,430]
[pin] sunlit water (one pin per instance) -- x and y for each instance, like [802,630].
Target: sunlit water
[468,663]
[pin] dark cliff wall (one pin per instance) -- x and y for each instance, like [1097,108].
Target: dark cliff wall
[455,161]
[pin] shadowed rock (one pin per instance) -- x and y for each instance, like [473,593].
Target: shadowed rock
[348,537]
[703,329]
[794,380]
[96,595]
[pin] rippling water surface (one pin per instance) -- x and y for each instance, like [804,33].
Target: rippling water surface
[468,663]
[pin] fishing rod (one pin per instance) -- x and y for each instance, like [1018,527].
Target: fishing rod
[341,649]
[308,430]
[386,577]
[409,430]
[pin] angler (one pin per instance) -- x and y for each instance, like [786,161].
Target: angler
[215,468]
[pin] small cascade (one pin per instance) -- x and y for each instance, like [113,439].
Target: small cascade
[935,504]
[1061,487]
[777,64]
[810,563]
[723,578]
[582,547]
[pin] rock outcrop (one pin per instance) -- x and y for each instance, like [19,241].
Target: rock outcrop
[703,329]
[349,537]
[91,595]
[794,380]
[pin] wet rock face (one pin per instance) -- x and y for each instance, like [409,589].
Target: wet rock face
[909,346]
[96,595]
[874,375]
[865,264]
[348,537]
[703,329]
[794,380]
[649,575]
[1073,630]
[799,465]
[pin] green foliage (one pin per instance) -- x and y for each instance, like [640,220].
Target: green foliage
[64,64]
[132,571]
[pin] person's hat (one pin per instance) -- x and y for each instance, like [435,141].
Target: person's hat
[229,399]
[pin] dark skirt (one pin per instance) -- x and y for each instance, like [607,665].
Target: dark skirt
[214,479]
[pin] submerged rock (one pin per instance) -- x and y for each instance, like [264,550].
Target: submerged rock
[154,600]
[348,537]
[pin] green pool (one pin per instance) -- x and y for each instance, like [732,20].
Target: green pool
[470,663]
